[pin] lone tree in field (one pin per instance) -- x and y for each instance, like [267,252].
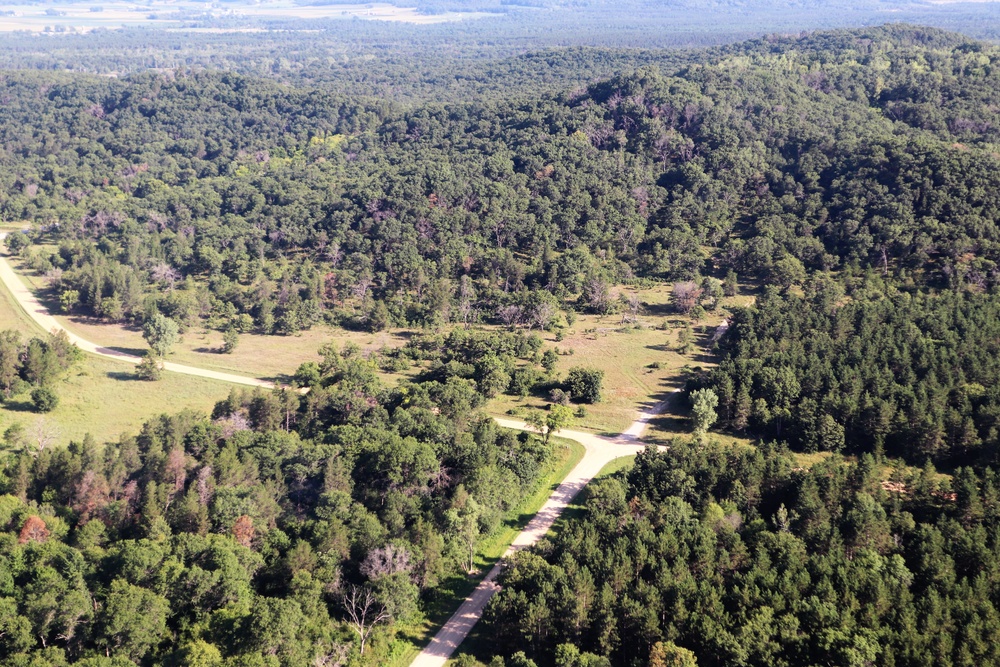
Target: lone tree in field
[703,404]
[161,333]
[556,418]
[149,367]
[585,384]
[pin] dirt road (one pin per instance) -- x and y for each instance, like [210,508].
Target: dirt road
[40,314]
[599,451]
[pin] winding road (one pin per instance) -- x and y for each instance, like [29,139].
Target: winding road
[599,451]
[40,314]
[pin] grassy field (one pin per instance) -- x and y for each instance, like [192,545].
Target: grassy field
[100,396]
[640,360]
[410,641]
[266,357]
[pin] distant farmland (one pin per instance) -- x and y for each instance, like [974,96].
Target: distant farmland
[86,16]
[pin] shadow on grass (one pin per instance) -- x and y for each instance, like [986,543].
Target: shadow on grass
[659,309]
[280,379]
[48,298]
[18,405]
[130,351]
[123,376]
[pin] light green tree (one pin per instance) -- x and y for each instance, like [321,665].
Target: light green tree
[463,520]
[133,620]
[703,404]
[160,333]
[556,418]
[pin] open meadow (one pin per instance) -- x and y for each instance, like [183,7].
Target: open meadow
[100,396]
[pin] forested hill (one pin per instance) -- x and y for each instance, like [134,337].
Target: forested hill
[835,151]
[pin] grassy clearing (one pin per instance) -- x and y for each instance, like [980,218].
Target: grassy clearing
[566,454]
[267,357]
[12,316]
[640,360]
[100,396]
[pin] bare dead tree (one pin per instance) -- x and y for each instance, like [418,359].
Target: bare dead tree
[466,300]
[364,611]
[631,305]
[686,296]
[44,434]
[542,315]
[510,315]
[362,286]
[165,274]
[385,561]
[598,296]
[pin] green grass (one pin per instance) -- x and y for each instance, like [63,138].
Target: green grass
[454,590]
[100,396]
[12,316]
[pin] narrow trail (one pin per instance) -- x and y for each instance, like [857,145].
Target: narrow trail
[40,314]
[599,451]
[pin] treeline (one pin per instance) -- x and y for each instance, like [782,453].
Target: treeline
[711,555]
[286,530]
[911,375]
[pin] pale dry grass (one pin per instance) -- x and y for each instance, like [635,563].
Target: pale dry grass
[626,353]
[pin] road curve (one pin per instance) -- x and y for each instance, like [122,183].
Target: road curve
[40,314]
[599,451]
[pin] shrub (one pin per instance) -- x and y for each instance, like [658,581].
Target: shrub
[16,242]
[523,380]
[149,368]
[230,340]
[559,397]
[44,399]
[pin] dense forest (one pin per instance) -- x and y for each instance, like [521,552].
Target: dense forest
[286,530]
[215,196]
[713,556]
[910,375]
[844,185]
